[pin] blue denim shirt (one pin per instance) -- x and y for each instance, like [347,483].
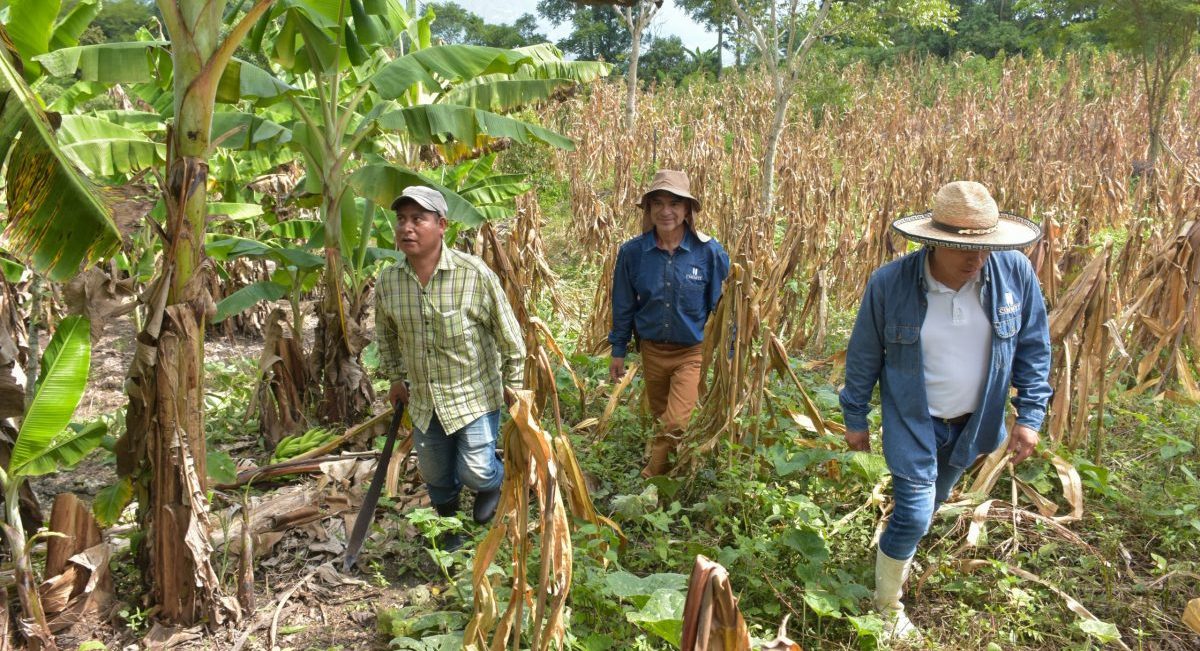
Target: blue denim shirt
[885,347]
[664,296]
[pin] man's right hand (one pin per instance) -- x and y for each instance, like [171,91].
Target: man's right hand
[616,369]
[860,441]
[398,394]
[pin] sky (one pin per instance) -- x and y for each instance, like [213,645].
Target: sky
[669,21]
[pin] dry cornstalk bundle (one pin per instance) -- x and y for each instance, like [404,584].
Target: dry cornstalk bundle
[599,317]
[711,619]
[1083,334]
[530,467]
[1163,315]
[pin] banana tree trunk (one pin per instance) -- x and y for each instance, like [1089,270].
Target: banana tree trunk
[345,389]
[164,446]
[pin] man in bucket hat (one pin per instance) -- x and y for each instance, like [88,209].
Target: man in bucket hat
[945,331]
[665,283]
[447,333]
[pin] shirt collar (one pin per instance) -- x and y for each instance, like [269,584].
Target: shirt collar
[689,238]
[445,261]
[931,284]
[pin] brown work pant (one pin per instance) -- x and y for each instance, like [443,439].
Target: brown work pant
[672,376]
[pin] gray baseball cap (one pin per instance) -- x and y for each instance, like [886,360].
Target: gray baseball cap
[427,198]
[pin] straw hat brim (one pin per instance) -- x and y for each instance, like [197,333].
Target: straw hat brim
[1012,232]
[675,191]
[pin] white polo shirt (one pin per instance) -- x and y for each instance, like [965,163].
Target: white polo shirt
[956,343]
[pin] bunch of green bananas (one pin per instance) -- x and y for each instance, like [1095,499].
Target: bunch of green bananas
[293,446]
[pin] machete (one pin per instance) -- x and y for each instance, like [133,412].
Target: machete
[367,512]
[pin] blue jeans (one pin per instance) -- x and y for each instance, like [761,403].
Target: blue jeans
[463,458]
[916,502]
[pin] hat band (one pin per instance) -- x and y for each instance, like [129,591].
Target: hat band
[964,231]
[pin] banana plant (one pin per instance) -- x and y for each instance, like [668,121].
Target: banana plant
[361,111]
[58,219]
[296,271]
[46,444]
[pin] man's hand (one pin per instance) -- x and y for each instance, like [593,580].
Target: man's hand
[510,397]
[859,441]
[616,369]
[1022,442]
[398,394]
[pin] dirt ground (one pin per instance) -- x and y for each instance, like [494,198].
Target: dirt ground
[303,601]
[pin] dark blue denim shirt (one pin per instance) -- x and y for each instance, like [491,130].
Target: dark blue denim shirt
[662,296]
[885,347]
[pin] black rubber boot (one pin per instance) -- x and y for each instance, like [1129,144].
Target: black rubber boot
[450,540]
[485,505]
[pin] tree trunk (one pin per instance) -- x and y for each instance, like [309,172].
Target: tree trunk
[783,96]
[164,445]
[346,394]
[631,89]
[720,47]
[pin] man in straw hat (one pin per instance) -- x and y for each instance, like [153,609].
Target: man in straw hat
[665,283]
[445,330]
[946,331]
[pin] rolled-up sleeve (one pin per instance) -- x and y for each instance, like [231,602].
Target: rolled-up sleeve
[864,360]
[391,362]
[624,306]
[1031,359]
[510,343]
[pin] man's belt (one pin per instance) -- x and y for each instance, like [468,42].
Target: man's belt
[957,420]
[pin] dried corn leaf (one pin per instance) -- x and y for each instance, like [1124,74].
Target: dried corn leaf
[711,619]
[613,400]
[978,518]
[1072,488]
[1191,615]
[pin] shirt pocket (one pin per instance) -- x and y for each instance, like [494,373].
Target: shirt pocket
[902,347]
[449,330]
[1006,341]
[691,298]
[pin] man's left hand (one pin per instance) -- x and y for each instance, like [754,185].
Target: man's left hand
[1022,442]
[510,397]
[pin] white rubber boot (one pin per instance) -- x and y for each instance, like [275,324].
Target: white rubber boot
[890,575]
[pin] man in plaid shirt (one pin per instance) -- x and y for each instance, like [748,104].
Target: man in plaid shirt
[450,345]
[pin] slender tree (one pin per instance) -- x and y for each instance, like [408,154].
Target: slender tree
[785,31]
[636,18]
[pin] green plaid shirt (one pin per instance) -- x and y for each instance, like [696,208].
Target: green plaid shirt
[455,341]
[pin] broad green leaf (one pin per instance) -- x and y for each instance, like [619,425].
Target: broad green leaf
[64,372]
[662,615]
[106,149]
[450,123]
[625,585]
[111,501]
[809,544]
[57,219]
[221,467]
[66,450]
[30,24]
[109,63]
[382,183]
[451,63]
[1101,631]
[496,189]
[247,297]
[11,270]
[76,95]
[242,131]
[68,30]
[245,81]
[234,211]
[502,95]
[367,29]
[822,602]
[298,229]
[142,121]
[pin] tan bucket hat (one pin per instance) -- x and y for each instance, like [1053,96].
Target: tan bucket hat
[965,216]
[678,184]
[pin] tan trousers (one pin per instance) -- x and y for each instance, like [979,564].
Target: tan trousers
[672,376]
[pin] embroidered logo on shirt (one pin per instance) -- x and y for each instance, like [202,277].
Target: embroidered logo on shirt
[1009,306]
[695,274]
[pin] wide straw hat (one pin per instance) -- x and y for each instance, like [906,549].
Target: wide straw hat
[678,184]
[965,216]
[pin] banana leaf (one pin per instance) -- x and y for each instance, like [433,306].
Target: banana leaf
[383,182]
[445,123]
[451,64]
[247,297]
[55,397]
[57,219]
[106,149]
[501,95]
